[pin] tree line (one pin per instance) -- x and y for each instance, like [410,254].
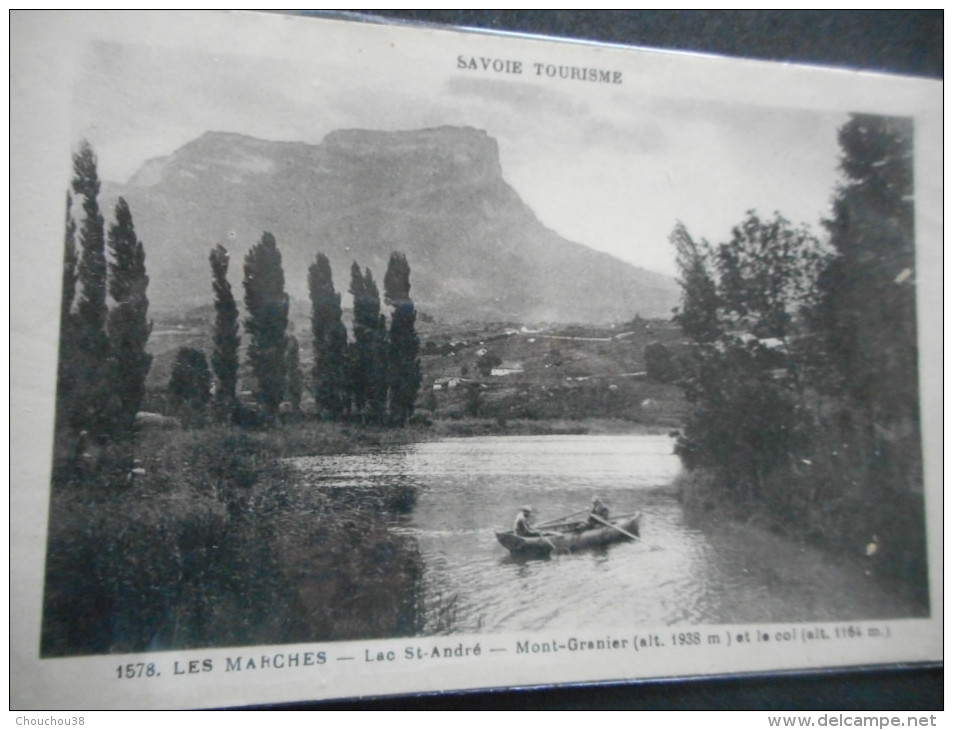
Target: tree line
[802,376]
[374,379]
[103,361]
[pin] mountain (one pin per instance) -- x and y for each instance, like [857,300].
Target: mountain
[476,250]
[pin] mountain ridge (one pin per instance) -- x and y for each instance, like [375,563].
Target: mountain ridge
[476,250]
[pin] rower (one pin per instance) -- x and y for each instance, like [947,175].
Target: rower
[521,526]
[598,510]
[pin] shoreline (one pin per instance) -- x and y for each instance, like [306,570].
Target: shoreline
[544,427]
[867,560]
[315,438]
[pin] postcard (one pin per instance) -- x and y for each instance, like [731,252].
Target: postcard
[354,360]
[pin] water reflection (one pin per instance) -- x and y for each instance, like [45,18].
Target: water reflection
[374,481]
[451,496]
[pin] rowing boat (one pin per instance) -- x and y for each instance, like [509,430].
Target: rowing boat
[573,536]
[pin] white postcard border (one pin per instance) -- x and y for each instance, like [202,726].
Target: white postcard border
[44,47]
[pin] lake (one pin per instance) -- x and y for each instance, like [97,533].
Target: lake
[688,569]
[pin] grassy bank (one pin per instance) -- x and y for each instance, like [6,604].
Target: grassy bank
[881,537]
[544,427]
[211,541]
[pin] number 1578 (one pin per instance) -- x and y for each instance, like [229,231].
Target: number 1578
[134,671]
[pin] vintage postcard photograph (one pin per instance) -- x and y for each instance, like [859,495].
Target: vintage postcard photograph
[355,360]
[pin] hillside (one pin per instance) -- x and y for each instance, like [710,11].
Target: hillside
[476,250]
[550,372]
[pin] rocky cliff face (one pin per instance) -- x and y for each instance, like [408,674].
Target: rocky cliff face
[476,251]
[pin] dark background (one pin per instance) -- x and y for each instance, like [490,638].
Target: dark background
[891,41]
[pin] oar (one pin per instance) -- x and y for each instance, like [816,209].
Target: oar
[578,522]
[625,532]
[557,519]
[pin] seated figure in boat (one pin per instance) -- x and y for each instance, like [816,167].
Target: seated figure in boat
[522,526]
[598,514]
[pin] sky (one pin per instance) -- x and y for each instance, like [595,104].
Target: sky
[611,167]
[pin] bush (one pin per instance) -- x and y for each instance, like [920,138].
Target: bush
[212,542]
[659,364]
[190,386]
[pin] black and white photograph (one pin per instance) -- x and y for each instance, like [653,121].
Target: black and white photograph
[368,360]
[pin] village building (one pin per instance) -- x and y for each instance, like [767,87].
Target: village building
[507,368]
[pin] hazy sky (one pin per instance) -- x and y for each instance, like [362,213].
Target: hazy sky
[610,167]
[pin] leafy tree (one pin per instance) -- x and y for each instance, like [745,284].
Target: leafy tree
[821,430]
[91,402]
[486,362]
[190,385]
[128,324]
[766,273]
[698,314]
[743,424]
[226,337]
[472,402]
[404,375]
[659,364]
[745,421]
[267,307]
[329,342]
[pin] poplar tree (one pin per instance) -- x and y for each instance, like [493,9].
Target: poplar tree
[865,317]
[70,260]
[329,342]
[267,305]
[293,374]
[698,314]
[67,339]
[128,324]
[377,365]
[369,377]
[90,357]
[867,308]
[403,347]
[226,337]
[356,354]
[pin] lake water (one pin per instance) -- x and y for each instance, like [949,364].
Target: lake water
[685,571]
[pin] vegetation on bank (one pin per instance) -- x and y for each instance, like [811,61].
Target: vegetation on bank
[545,427]
[802,373]
[209,540]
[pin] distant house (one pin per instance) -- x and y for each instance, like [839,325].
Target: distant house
[448,383]
[507,368]
[773,343]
